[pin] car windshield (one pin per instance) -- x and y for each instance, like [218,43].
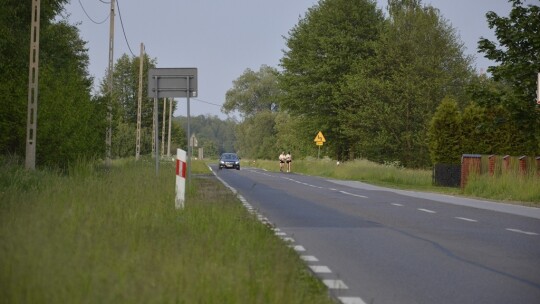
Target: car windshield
[229,156]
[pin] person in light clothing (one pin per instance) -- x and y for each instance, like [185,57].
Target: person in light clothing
[282,159]
[288,160]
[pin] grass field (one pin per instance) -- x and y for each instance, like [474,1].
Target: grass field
[510,188]
[114,236]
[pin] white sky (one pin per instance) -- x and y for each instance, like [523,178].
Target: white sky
[224,37]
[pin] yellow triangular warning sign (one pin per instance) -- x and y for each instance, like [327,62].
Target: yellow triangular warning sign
[319,138]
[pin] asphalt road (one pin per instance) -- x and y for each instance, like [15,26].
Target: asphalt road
[376,245]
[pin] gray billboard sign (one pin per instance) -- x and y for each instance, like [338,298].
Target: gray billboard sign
[172,82]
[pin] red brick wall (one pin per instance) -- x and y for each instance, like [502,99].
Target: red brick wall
[470,163]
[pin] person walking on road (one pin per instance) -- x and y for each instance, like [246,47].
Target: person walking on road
[288,160]
[282,159]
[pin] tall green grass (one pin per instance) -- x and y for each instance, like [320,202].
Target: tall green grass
[114,236]
[512,187]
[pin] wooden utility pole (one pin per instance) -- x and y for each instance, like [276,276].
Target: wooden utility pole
[33,73]
[139,105]
[108,139]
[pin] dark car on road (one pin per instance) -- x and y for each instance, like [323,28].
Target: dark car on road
[229,161]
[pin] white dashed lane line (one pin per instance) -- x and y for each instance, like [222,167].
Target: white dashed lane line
[397,205]
[352,194]
[318,269]
[426,210]
[521,231]
[466,219]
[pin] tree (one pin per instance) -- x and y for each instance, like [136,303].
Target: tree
[391,97]
[253,92]
[322,49]
[518,55]
[125,103]
[256,136]
[68,120]
[445,133]
[255,95]
[212,133]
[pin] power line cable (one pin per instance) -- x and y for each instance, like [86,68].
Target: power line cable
[210,103]
[123,30]
[96,22]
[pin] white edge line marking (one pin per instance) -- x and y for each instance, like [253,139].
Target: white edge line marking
[299,248]
[521,231]
[426,210]
[466,219]
[320,269]
[335,284]
[351,300]
[309,258]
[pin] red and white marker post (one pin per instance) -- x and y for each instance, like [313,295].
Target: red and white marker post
[181,172]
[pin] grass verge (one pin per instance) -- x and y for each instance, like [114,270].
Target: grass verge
[113,236]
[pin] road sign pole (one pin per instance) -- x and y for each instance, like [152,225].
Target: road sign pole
[319,153]
[156,116]
[190,149]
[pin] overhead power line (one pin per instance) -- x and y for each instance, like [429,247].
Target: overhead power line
[210,103]
[86,13]
[123,30]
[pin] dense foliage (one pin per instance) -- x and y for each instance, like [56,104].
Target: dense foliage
[214,135]
[125,103]
[69,122]
[513,93]
[322,50]
[445,133]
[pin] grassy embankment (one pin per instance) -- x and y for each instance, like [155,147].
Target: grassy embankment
[511,187]
[93,236]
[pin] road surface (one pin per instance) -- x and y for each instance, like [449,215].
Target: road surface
[375,245]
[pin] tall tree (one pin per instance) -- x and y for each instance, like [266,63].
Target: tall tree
[67,120]
[253,92]
[393,95]
[255,96]
[517,52]
[444,133]
[322,49]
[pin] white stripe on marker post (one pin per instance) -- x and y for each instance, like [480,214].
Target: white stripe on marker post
[181,169]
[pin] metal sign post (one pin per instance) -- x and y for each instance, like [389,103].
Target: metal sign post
[172,82]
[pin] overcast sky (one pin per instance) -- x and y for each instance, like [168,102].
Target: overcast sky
[222,38]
